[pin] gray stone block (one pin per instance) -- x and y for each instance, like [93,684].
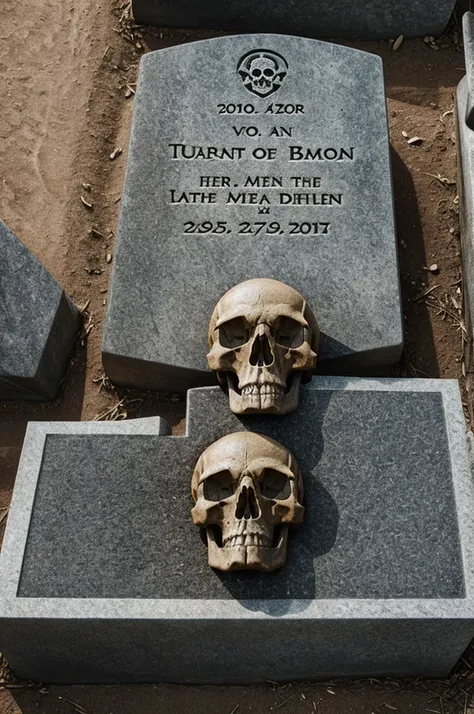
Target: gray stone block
[464,106]
[319,215]
[368,20]
[104,578]
[38,324]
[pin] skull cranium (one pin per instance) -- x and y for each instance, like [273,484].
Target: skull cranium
[248,491]
[263,340]
[262,71]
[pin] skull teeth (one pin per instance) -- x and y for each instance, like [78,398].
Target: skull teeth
[273,390]
[246,540]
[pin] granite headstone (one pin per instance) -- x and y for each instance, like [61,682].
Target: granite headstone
[253,156]
[465,145]
[38,324]
[104,577]
[356,19]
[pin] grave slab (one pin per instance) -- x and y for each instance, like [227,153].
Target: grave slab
[231,177]
[368,20]
[465,148]
[38,324]
[104,577]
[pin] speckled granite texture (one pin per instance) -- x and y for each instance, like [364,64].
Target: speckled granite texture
[367,19]
[104,578]
[224,185]
[38,324]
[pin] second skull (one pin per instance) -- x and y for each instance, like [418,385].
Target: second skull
[263,340]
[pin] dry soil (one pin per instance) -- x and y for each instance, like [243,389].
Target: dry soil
[67,77]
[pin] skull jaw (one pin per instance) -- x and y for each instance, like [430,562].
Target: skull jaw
[262,91]
[240,557]
[258,403]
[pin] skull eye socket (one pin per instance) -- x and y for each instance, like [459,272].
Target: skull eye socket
[219,486]
[289,333]
[233,333]
[275,485]
[268,72]
[256,72]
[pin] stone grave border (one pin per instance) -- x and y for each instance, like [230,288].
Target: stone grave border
[464,111]
[451,621]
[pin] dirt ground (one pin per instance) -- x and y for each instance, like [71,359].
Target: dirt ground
[67,76]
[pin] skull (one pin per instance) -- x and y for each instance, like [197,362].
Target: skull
[247,490]
[263,340]
[262,71]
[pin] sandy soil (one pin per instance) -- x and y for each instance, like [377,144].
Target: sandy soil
[67,75]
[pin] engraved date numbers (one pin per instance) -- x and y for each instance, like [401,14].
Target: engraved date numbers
[255,228]
[273,108]
[217,228]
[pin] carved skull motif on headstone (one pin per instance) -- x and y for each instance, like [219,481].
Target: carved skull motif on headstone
[263,340]
[248,491]
[262,71]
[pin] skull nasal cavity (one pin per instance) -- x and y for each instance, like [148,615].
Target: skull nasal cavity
[261,354]
[247,506]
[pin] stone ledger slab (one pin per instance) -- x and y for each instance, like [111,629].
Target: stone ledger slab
[104,578]
[224,184]
[369,20]
[465,145]
[38,323]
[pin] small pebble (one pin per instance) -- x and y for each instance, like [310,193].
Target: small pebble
[115,153]
[433,268]
[108,257]
[397,43]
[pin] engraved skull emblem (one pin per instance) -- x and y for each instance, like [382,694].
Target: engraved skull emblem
[262,71]
[248,491]
[263,340]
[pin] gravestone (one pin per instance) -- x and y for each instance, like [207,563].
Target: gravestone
[465,146]
[368,20]
[38,324]
[104,577]
[257,156]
